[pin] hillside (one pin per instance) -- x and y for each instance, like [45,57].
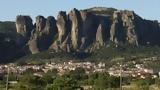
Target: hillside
[79,31]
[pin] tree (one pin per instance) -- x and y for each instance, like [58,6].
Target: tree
[49,76]
[101,82]
[64,83]
[157,82]
[49,87]
[31,82]
[142,84]
[113,82]
[78,74]
[91,78]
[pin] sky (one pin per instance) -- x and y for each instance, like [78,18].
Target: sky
[9,9]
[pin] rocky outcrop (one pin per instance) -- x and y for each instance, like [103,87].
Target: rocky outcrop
[40,23]
[63,26]
[147,31]
[123,28]
[87,30]
[43,35]
[51,27]
[128,22]
[89,27]
[76,30]
[33,47]
[34,41]
[24,27]
[79,31]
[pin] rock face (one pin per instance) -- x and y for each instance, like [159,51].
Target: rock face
[76,24]
[147,31]
[123,28]
[62,41]
[89,27]
[40,23]
[24,27]
[62,21]
[43,35]
[87,30]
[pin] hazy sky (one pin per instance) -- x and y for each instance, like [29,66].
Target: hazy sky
[9,9]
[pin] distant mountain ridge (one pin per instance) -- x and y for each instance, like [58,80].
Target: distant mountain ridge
[85,30]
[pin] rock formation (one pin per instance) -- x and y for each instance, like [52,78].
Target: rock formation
[24,27]
[87,30]
[76,29]
[123,28]
[62,21]
[43,35]
[40,23]
[62,42]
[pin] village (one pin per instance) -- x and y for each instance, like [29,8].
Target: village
[124,70]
